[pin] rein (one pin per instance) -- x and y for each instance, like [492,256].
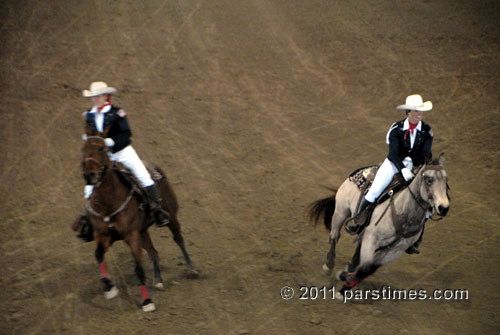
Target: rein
[395,220]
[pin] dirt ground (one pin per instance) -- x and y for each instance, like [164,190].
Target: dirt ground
[249,106]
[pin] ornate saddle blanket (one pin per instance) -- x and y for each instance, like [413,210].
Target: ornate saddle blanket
[363,178]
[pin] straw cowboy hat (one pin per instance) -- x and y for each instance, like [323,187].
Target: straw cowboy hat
[98,88]
[415,102]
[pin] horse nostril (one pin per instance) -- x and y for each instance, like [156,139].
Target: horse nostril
[443,210]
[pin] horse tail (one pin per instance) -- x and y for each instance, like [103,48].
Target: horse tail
[323,208]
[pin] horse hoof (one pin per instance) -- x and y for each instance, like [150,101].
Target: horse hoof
[327,270]
[192,273]
[339,296]
[112,293]
[341,275]
[148,306]
[159,286]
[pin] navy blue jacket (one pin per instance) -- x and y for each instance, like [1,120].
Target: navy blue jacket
[119,129]
[400,146]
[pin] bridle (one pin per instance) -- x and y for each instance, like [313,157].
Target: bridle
[419,199]
[102,167]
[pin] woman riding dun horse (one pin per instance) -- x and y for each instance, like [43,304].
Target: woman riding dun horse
[410,144]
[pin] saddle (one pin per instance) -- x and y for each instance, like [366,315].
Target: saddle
[363,178]
[128,178]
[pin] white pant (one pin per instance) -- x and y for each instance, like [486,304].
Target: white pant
[383,178]
[129,158]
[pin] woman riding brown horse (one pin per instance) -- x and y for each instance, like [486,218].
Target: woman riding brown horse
[114,213]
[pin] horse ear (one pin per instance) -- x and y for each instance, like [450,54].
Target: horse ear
[441,159]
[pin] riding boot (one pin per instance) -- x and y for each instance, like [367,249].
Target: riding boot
[361,216]
[161,216]
[413,249]
[364,203]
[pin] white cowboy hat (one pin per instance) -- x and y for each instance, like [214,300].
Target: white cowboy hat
[415,102]
[98,88]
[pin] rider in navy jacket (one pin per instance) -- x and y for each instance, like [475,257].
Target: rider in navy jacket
[400,144]
[119,129]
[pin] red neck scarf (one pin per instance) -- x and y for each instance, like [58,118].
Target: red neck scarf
[412,128]
[101,108]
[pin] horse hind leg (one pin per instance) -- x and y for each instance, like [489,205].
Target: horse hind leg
[110,290]
[364,263]
[338,221]
[147,244]
[330,259]
[175,228]
[134,242]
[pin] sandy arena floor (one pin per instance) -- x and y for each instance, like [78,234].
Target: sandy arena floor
[249,106]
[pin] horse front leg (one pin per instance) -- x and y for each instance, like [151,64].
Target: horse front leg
[363,264]
[153,255]
[134,241]
[110,290]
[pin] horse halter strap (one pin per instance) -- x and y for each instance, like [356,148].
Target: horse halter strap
[102,166]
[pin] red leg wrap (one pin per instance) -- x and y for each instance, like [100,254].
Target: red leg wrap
[144,292]
[103,270]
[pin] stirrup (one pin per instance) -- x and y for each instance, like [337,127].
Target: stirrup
[352,229]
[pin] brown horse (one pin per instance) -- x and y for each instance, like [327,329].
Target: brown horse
[115,214]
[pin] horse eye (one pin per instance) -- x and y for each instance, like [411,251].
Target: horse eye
[429,180]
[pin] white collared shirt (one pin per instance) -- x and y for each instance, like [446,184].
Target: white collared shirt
[99,117]
[406,126]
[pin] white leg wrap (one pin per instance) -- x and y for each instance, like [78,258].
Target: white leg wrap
[87,191]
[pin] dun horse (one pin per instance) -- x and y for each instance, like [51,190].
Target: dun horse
[394,225]
[115,214]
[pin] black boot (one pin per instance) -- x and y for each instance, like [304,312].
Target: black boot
[413,249]
[364,203]
[360,217]
[161,216]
